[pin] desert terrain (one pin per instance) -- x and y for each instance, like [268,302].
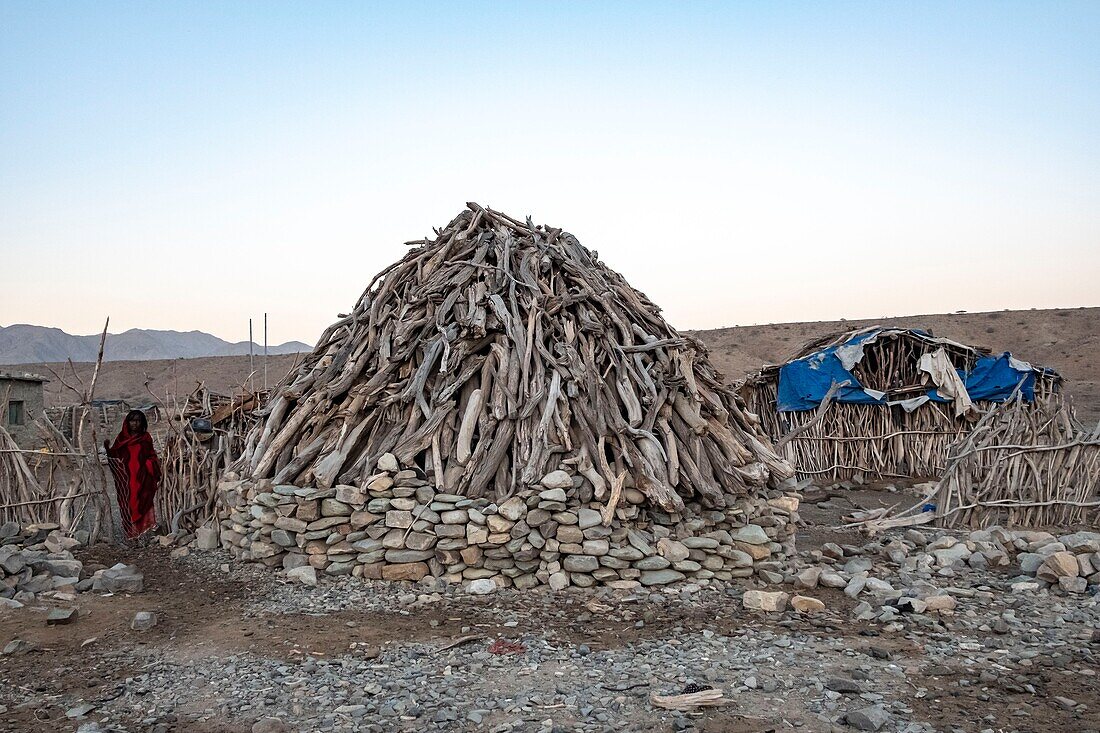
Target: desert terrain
[912,631]
[1067,340]
[237,648]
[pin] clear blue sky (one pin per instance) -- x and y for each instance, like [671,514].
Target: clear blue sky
[188,165]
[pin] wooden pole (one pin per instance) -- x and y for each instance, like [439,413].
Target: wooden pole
[251,360]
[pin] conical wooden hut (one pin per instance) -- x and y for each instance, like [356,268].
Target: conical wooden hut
[501,404]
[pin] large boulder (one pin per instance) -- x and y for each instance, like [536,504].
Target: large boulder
[1058,565]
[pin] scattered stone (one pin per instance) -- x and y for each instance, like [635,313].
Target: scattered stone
[1030,562]
[759,600]
[304,574]
[120,578]
[206,538]
[843,684]
[274,725]
[950,555]
[60,616]
[16,647]
[79,711]
[808,578]
[1072,585]
[807,604]
[1081,542]
[871,718]
[939,603]
[143,621]
[1058,565]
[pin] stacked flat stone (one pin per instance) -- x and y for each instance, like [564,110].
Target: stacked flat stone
[37,564]
[36,561]
[398,527]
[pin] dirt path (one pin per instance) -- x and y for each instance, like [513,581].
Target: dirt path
[236,644]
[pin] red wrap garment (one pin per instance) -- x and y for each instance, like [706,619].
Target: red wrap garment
[136,471]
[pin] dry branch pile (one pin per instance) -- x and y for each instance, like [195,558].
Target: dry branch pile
[502,407]
[497,351]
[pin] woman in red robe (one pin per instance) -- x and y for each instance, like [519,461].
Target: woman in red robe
[136,471]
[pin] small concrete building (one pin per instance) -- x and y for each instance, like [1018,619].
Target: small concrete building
[21,403]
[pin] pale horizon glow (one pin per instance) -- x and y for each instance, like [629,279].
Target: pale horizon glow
[191,165]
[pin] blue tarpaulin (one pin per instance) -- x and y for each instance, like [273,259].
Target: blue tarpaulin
[995,377]
[803,383]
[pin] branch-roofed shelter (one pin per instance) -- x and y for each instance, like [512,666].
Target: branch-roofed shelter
[884,402]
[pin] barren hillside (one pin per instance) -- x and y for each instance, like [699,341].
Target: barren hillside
[1067,340]
[23,343]
[127,379]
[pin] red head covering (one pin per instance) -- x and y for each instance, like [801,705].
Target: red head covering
[136,471]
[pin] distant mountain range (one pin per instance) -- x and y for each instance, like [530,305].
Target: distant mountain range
[25,344]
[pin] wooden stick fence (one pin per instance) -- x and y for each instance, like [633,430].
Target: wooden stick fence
[1023,465]
[875,440]
[193,465]
[65,482]
[1028,466]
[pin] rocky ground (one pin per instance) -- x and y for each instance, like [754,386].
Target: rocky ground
[918,634]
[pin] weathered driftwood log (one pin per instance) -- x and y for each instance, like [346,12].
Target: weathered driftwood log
[498,352]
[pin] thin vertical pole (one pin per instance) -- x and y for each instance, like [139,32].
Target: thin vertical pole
[251,361]
[265,352]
